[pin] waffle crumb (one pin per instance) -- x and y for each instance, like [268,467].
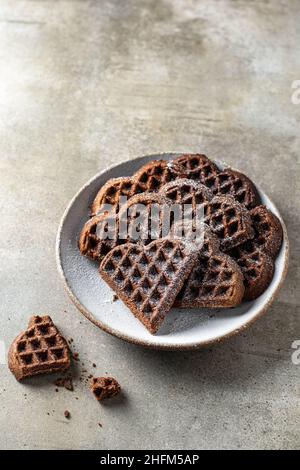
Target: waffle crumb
[66,382]
[105,387]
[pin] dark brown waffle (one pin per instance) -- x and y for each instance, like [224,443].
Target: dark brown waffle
[268,230]
[39,350]
[229,221]
[215,281]
[226,182]
[149,278]
[105,387]
[111,192]
[90,243]
[149,178]
[257,268]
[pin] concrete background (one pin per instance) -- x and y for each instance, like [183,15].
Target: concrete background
[84,84]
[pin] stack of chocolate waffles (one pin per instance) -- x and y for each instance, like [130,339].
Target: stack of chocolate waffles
[235,262]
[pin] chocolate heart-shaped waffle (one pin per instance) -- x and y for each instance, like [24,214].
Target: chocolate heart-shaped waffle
[215,281]
[149,178]
[228,181]
[148,278]
[39,350]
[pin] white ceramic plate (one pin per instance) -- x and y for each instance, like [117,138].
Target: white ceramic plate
[183,329]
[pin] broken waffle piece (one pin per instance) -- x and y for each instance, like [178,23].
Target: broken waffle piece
[105,387]
[148,278]
[221,182]
[41,349]
[215,281]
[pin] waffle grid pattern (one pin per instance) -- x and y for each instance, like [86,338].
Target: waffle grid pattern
[113,190]
[90,243]
[229,221]
[226,182]
[152,176]
[213,281]
[41,345]
[186,191]
[149,178]
[257,268]
[144,278]
[198,167]
[268,230]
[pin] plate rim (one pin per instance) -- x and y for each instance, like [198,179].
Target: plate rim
[162,346]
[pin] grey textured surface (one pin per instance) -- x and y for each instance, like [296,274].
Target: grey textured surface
[84,84]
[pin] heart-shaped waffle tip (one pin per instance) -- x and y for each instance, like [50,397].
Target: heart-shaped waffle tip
[39,350]
[215,281]
[149,278]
